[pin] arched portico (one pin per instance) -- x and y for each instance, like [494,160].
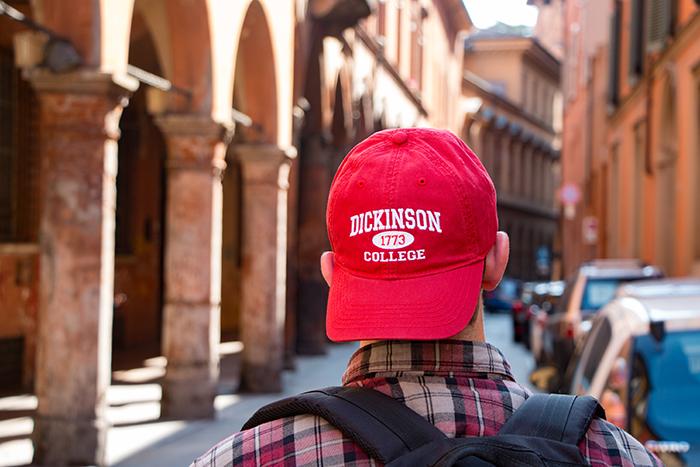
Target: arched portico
[261,157]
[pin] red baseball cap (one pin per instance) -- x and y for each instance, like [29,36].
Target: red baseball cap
[411,217]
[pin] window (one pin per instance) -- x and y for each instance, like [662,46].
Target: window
[598,293]
[659,16]
[636,61]
[399,33]
[417,15]
[614,78]
[19,162]
[6,145]
[381,19]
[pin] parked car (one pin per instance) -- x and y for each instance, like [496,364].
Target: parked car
[520,310]
[503,297]
[546,302]
[594,286]
[642,361]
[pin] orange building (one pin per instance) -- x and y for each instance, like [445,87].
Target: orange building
[631,126]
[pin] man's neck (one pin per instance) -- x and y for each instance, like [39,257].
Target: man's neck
[474,332]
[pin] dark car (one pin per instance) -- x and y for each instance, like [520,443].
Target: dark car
[503,297]
[546,299]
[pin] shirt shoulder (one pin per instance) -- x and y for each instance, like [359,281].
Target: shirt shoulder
[606,444]
[294,441]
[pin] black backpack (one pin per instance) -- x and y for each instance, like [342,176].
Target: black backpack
[544,431]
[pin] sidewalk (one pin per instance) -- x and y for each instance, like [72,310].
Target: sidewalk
[138,438]
[177,443]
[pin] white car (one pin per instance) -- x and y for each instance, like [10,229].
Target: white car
[641,359]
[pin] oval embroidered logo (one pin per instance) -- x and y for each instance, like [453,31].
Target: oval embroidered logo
[392,239]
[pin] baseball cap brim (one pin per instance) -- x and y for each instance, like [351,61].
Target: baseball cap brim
[435,306]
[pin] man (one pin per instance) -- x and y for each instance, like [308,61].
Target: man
[412,223]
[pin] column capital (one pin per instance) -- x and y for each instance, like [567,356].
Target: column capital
[81,103]
[195,142]
[188,125]
[82,81]
[265,164]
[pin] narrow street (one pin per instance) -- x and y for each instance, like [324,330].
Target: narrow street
[499,332]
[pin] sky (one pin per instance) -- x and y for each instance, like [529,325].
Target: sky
[485,13]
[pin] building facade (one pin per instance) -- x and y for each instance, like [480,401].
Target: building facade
[164,167]
[631,123]
[510,96]
[398,67]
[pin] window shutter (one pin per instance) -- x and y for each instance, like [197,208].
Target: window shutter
[614,65]
[636,63]
[659,17]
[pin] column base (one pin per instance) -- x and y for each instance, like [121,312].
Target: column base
[60,441]
[188,393]
[262,378]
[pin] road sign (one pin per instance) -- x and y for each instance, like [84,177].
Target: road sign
[590,230]
[569,194]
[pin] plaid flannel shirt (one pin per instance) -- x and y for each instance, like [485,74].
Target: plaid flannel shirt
[463,388]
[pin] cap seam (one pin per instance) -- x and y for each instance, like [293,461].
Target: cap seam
[405,277]
[392,269]
[455,185]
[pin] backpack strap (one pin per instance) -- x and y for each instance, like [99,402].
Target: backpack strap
[558,417]
[383,427]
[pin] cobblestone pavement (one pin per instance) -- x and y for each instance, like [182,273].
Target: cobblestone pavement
[138,438]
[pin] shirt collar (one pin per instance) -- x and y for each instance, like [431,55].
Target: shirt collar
[427,358]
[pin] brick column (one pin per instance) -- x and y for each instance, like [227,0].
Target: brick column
[265,171]
[195,162]
[79,128]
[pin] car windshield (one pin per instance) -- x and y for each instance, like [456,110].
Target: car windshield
[598,293]
[673,371]
[508,288]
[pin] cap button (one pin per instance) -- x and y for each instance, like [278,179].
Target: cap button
[399,137]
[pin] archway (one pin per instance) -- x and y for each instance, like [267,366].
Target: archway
[255,199]
[140,213]
[254,94]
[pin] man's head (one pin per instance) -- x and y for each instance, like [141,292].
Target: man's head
[412,222]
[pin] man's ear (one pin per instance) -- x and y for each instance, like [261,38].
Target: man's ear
[327,264]
[496,262]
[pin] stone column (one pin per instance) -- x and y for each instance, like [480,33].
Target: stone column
[265,183]
[193,228]
[79,128]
